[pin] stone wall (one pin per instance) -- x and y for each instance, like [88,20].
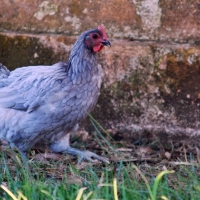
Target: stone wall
[152,70]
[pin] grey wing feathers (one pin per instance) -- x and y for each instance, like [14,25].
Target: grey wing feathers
[29,86]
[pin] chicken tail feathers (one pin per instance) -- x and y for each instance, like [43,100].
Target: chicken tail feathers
[4,72]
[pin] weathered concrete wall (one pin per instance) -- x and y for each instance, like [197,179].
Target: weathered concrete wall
[152,71]
[142,19]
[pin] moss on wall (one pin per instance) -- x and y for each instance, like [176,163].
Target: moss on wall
[22,51]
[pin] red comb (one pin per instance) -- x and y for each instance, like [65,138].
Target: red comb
[101,28]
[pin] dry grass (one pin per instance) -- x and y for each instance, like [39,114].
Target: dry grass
[134,167]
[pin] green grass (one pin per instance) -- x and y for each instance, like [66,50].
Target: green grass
[115,181]
[60,178]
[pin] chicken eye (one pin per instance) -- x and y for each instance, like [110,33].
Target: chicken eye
[95,36]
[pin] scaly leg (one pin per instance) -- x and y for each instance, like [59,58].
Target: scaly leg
[63,146]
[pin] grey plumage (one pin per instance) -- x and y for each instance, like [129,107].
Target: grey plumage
[41,105]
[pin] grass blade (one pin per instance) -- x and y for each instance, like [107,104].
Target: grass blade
[158,178]
[115,188]
[80,193]
[9,192]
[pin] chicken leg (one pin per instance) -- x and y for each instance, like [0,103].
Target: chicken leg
[63,146]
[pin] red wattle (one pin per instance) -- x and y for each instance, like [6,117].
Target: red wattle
[98,48]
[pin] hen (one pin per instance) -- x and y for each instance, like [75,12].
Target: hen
[42,105]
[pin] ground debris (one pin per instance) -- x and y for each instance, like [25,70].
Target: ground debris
[150,155]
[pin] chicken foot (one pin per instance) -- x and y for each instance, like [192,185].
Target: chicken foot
[63,146]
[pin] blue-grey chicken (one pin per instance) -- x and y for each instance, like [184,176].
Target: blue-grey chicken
[42,105]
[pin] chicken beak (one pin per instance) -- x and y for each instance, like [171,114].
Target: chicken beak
[106,43]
